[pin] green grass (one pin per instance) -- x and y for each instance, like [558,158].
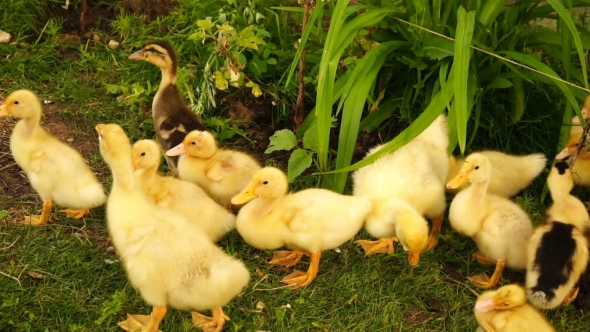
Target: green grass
[85,289]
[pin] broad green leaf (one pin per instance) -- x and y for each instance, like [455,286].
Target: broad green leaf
[499,83]
[205,24]
[554,38]
[463,35]
[299,161]
[518,103]
[310,139]
[282,140]
[271,61]
[567,20]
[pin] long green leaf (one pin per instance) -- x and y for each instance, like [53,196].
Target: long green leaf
[434,109]
[463,36]
[567,20]
[538,65]
[340,35]
[360,83]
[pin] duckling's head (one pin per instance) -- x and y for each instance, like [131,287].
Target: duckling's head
[475,169]
[199,144]
[113,142]
[412,233]
[560,179]
[506,297]
[145,154]
[268,183]
[161,53]
[571,146]
[22,104]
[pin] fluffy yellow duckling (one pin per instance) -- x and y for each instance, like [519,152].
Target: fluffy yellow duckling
[57,172]
[309,221]
[499,227]
[576,126]
[221,173]
[558,250]
[405,186]
[173,119]
[506,310]
[510,173]
[183,197]
[168,258]
[581,168]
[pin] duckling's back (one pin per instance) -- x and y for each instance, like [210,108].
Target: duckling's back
[50,164]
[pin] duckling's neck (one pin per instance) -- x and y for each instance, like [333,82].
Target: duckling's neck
[30,124]
[168,77]
[123,173]
[147,175]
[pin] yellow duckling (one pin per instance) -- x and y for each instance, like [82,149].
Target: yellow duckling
[183,197]
[309,221]
[506,310]
[576,125]
[510,173]
[173,119]
[581,168]
[558,250]
[168,258]
[221,173]
[405,186]
[57,172]
[499,227]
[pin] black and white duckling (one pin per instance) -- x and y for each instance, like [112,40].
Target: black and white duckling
[558,250]
[172,117]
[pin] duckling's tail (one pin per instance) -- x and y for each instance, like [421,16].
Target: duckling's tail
[437,133]
[542,300]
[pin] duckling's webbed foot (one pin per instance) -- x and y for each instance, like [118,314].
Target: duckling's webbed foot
[483,281]
[483,260]
[571,296]
[76,214]
[300,279]
[436,227]
[210,324]
[381,246]
[144,323]
[41,220]
[287,258]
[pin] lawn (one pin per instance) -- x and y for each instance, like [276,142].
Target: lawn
[65,276]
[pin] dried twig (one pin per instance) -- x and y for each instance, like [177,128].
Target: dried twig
[581,144]
[463,284]
[11,245]
[300,106]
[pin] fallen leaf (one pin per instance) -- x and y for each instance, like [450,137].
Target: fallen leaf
[259,273]
[36,275]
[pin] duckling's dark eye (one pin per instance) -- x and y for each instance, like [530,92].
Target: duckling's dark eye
[16,102]
[265,182]
[476,167]
[193,143]
[143,154]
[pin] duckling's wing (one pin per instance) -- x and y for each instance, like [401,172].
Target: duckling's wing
[220,168]
[36,160]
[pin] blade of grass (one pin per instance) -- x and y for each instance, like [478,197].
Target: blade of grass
[567,20]
[463,36]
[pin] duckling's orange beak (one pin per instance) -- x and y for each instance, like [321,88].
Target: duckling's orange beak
[134,165]
[137,56]
[458,180]
[177,150]
[484,305]
[566,152]
[4,110]
[413,257]
[99,128]
[245,196]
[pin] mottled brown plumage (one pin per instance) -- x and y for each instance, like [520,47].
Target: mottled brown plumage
[172,117]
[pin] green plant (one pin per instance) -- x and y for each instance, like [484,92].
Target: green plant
[301,158]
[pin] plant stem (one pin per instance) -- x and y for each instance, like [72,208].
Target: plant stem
[300,106]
